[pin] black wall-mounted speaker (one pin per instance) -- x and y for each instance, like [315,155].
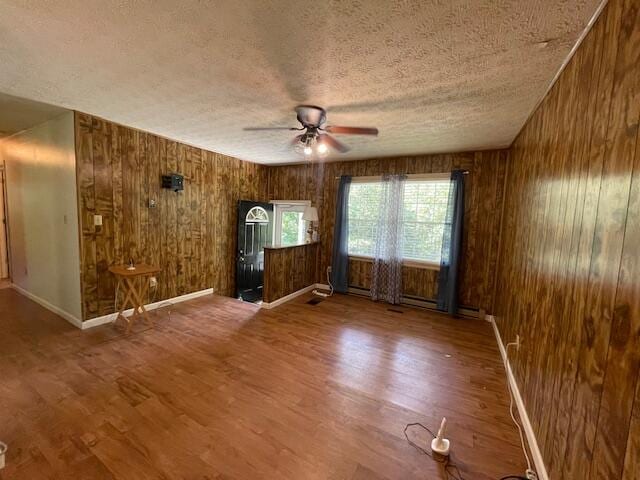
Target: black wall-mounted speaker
[173,182]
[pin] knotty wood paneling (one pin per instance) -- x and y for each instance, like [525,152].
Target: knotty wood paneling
[484,191]
[569,270]
[416,282]
[191,235]
[289,269]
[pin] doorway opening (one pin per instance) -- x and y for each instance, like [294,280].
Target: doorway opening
[255,231]
[4,243]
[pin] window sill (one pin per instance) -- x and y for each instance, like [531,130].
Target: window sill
[405,263]
[281,247]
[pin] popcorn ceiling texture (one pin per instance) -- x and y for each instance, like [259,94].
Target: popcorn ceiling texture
[438,76]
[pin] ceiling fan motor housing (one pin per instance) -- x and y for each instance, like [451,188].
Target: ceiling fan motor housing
[311,116]
[312,119]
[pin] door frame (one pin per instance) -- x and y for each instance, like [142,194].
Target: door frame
[5,248]
[269,207]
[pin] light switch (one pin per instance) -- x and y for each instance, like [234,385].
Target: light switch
[97,220]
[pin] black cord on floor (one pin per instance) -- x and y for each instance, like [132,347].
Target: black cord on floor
[450,469]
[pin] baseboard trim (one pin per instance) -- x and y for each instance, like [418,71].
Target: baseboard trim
[291,296]
[538,461]
[420,302]
[73,320]
[94,322]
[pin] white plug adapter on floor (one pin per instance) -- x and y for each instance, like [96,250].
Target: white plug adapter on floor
[441,445]
[531,475]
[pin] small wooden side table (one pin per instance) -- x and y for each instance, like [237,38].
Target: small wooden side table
[134,295]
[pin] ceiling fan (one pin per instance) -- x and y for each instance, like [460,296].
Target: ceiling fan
[315,136]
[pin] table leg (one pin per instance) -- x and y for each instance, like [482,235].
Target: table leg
[140,303]
[135,295]
[127,300]
[132,292]
[145,296]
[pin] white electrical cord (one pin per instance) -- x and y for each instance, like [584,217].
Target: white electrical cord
[323,294]
[524,448]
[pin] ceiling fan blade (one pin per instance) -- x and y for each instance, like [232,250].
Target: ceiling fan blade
[333,143]
[253,129]
[352,130]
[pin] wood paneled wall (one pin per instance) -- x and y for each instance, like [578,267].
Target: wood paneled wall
[421,283]
[289,269]
[484,191]
[569,273]
[191,235]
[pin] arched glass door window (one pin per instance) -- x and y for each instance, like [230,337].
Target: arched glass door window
[257,215]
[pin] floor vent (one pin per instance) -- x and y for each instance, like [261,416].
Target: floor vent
[315,301]
[395,310]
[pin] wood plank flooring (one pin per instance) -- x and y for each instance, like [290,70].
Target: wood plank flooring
[222,390]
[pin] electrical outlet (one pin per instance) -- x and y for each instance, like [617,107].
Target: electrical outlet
[153,282]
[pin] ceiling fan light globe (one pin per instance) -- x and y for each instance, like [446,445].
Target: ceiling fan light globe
[322,148]
[307,150]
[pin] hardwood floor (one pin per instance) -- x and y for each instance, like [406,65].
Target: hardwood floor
[222,390]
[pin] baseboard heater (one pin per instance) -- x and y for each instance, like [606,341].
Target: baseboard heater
[421,302]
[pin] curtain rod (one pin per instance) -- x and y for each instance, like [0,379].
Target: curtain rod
[464,172]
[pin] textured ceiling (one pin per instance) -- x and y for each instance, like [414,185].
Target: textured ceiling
[17,114]
[436,76]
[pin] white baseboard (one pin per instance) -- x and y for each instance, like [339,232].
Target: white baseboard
[538,461]
[73,320]
[293,295]
[94,322]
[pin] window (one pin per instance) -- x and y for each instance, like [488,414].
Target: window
[289,229]
[425,209]
[257,215]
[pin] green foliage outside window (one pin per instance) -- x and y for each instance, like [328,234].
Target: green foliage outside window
[291,227]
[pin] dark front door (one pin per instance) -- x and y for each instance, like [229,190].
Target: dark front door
[255,227]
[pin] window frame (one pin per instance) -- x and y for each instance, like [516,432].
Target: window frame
[406,262]
[280,206]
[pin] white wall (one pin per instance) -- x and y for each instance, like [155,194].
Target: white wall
[43,213]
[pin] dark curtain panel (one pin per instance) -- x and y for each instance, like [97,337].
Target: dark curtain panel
[451,246]
[340,260]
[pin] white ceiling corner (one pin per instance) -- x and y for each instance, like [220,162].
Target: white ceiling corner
[17,114]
